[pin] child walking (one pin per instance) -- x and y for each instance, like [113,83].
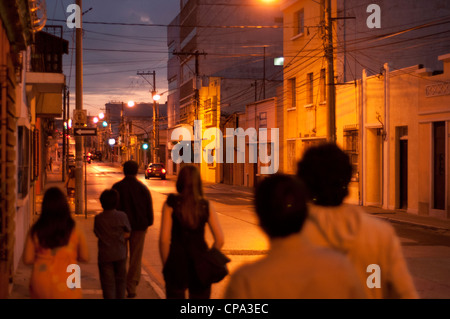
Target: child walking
[112,229]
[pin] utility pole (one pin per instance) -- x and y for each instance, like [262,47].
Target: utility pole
[66,141]
[264,74]
[64,168]
[331,91]
[197,73]
[79,107]
[155,131]
[155,122]
[196,146]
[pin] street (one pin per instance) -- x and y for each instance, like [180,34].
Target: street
[427,251]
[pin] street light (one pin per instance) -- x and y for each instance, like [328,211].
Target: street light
[129,104]
[156,96]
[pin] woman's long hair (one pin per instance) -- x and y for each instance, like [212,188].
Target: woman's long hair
[55,225]
[189,186]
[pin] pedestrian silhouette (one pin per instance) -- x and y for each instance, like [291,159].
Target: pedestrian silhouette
[136,201]
[368,242]
[293,268]
[112,228]
[53,244]
[182,239]
[70,182]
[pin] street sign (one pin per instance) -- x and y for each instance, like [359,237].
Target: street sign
[79,117]
[84,131]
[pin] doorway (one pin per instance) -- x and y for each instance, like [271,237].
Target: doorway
[439,162]
[403,174]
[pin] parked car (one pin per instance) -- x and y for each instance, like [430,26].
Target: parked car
[155,170]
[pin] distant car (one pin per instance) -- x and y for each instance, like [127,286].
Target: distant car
[155,170]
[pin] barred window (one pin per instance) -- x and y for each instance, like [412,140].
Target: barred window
[351,148]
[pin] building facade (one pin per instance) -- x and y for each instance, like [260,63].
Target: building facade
[32,86]
[221,57]
[391,95]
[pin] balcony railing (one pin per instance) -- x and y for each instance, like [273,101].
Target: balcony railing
[47,52]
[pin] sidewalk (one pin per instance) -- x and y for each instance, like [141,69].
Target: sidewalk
[90,282]
[399,216]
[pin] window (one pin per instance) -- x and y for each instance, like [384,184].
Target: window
[351,148]
[23,161]
[263,120]
[36,155]
[322,86]
[309,88]
[211,160]
[293,92]
[207,104]
[299,22]
[208,118]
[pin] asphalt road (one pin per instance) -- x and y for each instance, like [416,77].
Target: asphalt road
[427,251]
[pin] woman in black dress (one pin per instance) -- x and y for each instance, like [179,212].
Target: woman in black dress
[182,238]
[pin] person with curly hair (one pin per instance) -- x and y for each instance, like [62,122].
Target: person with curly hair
[365,240]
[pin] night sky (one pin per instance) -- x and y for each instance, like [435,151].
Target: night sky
[112,75]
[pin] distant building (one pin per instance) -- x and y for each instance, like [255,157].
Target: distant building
[133,129]
[219,61]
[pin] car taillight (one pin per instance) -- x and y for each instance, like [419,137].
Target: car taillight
[163,170]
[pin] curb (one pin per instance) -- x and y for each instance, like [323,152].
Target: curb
[407,222]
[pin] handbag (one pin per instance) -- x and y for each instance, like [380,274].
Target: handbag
[212,267]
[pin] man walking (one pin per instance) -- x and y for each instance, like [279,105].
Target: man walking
[365,240]
[136,201]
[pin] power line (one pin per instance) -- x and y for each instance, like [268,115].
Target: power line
[184,25]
